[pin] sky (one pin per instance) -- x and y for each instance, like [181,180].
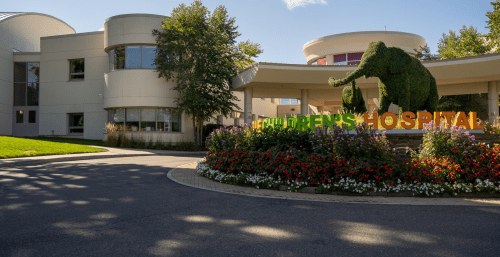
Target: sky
[282,27]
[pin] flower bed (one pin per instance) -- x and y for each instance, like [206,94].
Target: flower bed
[449,161]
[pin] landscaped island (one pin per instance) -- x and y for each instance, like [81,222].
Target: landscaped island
[332,158]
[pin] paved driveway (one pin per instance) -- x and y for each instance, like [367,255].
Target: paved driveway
[128,207]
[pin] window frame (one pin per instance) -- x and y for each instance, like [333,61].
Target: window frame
[170,123]
[115,63]
[76,127]
[76,73]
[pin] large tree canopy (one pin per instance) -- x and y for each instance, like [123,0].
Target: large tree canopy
[198,51]
[468,42]
[494,25]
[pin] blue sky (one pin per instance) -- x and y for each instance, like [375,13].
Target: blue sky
[282,27]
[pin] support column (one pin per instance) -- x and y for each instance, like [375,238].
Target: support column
[304,102]
[220,119]
[492,100]
[329,59]
[247,115]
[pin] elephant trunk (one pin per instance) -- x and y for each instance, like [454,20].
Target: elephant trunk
[351,77]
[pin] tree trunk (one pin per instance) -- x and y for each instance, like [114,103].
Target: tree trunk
[194,130]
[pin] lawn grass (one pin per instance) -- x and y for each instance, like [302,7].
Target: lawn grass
[77,141]
[11,147]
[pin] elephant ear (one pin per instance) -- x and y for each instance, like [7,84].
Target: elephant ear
[399,60]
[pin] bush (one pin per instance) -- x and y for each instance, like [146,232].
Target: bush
[445,141]
[185,146]
[112,140]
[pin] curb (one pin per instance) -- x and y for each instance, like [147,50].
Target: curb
[353,196]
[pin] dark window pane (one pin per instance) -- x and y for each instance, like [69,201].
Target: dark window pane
[77,66]
[33,72]
[19,94]
[76,120]
[354,56]
[33,89]
[133,119]
[176,122]
[339,58]
[31,116]
[77,77]
[133,57]
[163,117]
[148,55]
[19,117]
[76,130]
[120,57]
[19,72]
[148,120]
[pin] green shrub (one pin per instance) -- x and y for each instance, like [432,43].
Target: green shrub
[439,140]
[112,140]
[159,145]
[125,142]
[185,146]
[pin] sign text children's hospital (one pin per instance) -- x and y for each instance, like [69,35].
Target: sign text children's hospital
[407,120]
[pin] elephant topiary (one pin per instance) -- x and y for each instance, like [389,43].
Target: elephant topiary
[352,99]
[403,80]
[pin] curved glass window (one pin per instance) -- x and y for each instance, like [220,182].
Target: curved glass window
[146,119]
[342,59]
[132,57]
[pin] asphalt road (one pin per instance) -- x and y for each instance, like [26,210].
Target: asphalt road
[128,207]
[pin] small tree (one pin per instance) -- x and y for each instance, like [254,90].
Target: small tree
[424,54]
[197,50]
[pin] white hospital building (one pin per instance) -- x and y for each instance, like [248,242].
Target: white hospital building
[56,82]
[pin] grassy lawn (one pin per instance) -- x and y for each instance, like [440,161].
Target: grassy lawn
[22,147]
[77,141]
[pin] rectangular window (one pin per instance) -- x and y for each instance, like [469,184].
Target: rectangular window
[76,69]
[133,57]
[163,118]
[111,59]
[33,72]
[19,94]
[117,116]
[75,125]
[148,55]
[133,118]
[354,56]
[120,58]
[31,116]
[19,116]
[176,122]
[19,72]
[33,94]
[339,58]
[148,120]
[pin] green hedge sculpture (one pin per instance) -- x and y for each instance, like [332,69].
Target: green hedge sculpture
[403,80]
[352,99]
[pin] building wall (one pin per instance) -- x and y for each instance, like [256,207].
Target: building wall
[21,32]
[59,96]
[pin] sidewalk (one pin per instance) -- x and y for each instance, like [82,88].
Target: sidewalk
[111,152]
[186,175]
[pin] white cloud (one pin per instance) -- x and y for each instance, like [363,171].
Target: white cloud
[290,4]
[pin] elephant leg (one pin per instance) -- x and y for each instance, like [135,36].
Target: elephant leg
[384,104]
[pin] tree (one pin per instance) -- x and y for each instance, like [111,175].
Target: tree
[424,54]
[494,25]
[197,50]
[468,42]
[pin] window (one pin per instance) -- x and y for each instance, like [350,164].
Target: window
[75,125]
[31,116]
[19,116]
[26,83]
[147,119]
[347,59]
[76,69]
[132,57]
